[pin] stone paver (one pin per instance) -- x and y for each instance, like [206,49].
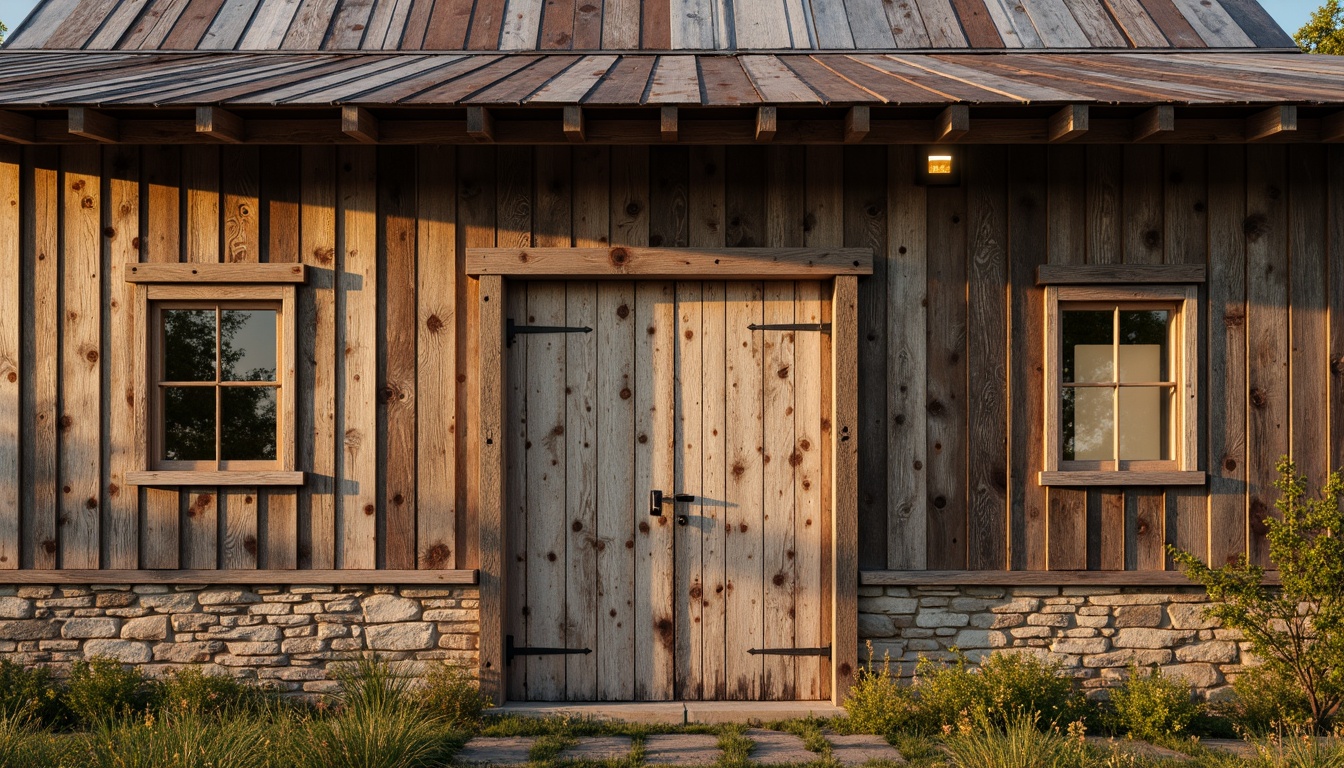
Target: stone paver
[508,750]
[775,748]
[1232,746]
[681,749]
[859,748]
[598,748]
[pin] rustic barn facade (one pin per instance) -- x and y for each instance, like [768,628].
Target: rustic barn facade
[654,352]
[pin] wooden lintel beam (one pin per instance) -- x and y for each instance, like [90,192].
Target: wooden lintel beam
[1271,122]
[220,124]
[573,124]
[767,122]
[359,124]
[92,124]
[1158,120]
[1069,123]
[858,122]
[17,128]
[1332,127]
[668,126]
[953,123]
[480,124]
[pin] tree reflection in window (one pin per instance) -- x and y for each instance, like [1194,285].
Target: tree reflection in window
[219,384]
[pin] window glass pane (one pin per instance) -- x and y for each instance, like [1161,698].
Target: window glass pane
[189,345]
[1143,345]
[189,423]
[1088,336]
[247,344]
[1089,424]
[248,432]
[1144,423]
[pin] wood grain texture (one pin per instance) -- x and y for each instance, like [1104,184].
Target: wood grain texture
[10,350]
[397,361]
[201,240]
[620,262]
[947,379]
[491,529]
[1308,281]
[1335,162]
[845,452]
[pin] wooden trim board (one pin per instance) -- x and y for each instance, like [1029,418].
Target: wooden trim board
[1113,479]
[461,577]
[167,478]
[1033,578]
[1069,274]
[490,517]
[844,486]
[242,272]
[671,263]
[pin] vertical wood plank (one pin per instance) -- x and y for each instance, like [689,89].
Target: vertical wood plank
[688,364]
[490,520]
[436,358]
[81,359]
[1225,377]
[744,515]
[240,210]
[41,269]
[516,560]
[357,334]
[1028,217]
[1187,242]
[865,186]
[161,527]
[706,206]
[1336,269]
[907,345]
[281,223]
[986,347]
[201,238]
[477,218]
[1266,333]
[1308,301]
[318,360]
[1083,220]
[397,391]
[947,379]
[10,371]
[121,215]
[845,476]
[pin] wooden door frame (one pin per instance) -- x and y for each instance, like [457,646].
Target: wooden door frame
[493,267]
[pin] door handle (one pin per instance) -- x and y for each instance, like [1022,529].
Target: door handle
[658,498]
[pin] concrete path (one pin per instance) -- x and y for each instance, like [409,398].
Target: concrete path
[860,748]
[599,748]
[508,750]
[775,748]
[681,749]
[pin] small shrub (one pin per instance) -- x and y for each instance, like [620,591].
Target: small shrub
[877,702]
[190,690]
[102,688]
[452,694]
[1006,684]
[29,693]
[1152,706]
[1296,750]
[1266,703]
[1019,740]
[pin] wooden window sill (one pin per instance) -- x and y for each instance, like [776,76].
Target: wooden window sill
[1122,478]
[170,477]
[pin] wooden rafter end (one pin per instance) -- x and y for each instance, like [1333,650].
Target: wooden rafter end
[668,126]
[953,123]
[858,121]
[91,124]
[480,124]
[220,124]
[767,123]
[1271,122]
[1069,123]
[359,124]
[1158,120]
[573,124]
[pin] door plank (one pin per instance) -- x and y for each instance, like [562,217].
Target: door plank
[808,514]
[690,586]
[744,489]
[777,520]
[516,561]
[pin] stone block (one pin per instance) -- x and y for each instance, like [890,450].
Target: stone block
[1030,632]
[450,614]
[931,619]
[1008,620]
[1095,622]
[1080,645]
[386,609]
[82,629]
[186,653]
[410,636]
[193,622]
[888,605]
[967,639]
[1124,658]
[29,629]
[125,651]
[1137,598]
[15,608]
[1198,675]
[303,645]
[215,597]
[870,625]
[1017,605]
[261,633]
[253,649]
[1049,620]
[1128,616]
[180,602]
[1151,638]
[114,599]
[1213,652]
[270,609]
[1190,616]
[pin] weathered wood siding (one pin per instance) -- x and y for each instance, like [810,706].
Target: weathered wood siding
[950,338]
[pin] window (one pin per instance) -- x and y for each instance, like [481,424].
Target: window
[218,394]
[1122,384]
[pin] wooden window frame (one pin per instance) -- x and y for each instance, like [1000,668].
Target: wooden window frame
[183,288]
[1183,468]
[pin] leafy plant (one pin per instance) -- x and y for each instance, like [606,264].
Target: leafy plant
[1297,630]
[877,702]
[1324,31]
[1153,706]
[29,693]
[101,689]
[189,690]
[1017,741]
[184,740]
[451,693]
[1266,703]
[1006,684]
[1296,750]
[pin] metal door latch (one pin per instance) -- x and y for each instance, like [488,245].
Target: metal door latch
[511,651]
[512,330]
[657,499]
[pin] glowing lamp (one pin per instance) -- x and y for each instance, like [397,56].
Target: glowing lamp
[939,167]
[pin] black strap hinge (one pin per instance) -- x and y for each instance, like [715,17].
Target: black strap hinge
[511,650]
[512,329]
[824,651]
[822,327]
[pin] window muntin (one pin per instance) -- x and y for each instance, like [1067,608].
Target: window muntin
[217,384]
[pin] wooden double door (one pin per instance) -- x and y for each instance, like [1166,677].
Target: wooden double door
[707,389]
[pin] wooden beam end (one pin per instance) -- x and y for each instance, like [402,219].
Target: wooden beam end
[669,124]
[1156,121]
[1069,123]
[767,123]
[953,123]
[1332,127]
[219,124]
[1271,122]
[17,128]
[857,124]
[573,124]
[359,124]
[480,124]
[91,124]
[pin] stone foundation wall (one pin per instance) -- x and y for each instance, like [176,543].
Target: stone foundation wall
[284,636]
[1095,633]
